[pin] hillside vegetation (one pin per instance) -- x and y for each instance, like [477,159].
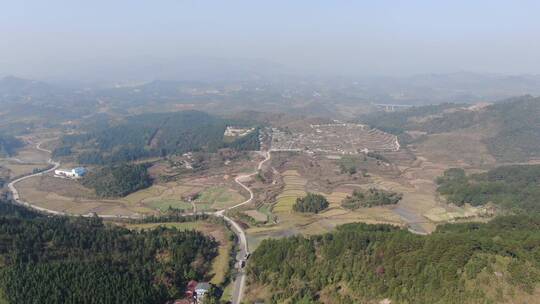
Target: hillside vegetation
[370,198]
[518,136]
[360,263]
[77,260]
[515,124]
[514,188]
[401,121]
[151,135]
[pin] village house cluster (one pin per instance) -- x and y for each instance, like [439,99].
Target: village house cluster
[336,138]
[237,131]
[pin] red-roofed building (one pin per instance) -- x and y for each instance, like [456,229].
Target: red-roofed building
[190,289]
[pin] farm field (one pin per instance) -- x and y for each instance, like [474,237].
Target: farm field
[29,154]
[219,197]
[164,205]
[309,224]
[412,175]
[27,157]
[69,196]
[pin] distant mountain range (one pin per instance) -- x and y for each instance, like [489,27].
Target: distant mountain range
[269,91]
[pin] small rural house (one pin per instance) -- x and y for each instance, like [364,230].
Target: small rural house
[201,290]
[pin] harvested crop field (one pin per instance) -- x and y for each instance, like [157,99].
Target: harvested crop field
[257,215]
[16,169]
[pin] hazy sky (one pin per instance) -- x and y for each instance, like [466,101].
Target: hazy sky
[71,37]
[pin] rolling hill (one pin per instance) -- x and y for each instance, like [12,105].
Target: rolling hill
[154,134]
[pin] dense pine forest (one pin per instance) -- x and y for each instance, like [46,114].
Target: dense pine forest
[515,188]
[360,263]
[151,135]
[76,260]
[118,180]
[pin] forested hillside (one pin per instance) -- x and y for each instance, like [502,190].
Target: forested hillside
[518,136]
[515,188]
[514,124]
[149,135]
[8,145]
[401,121]
[76,260]
[360,263]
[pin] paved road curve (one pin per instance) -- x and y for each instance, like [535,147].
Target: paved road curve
[240,280]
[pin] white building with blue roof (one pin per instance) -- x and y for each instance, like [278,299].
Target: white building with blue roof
[71,173]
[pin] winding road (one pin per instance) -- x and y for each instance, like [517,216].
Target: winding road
[240,281]
[15,193]
[243,251]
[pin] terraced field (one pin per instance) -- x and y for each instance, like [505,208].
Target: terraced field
[294,188]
